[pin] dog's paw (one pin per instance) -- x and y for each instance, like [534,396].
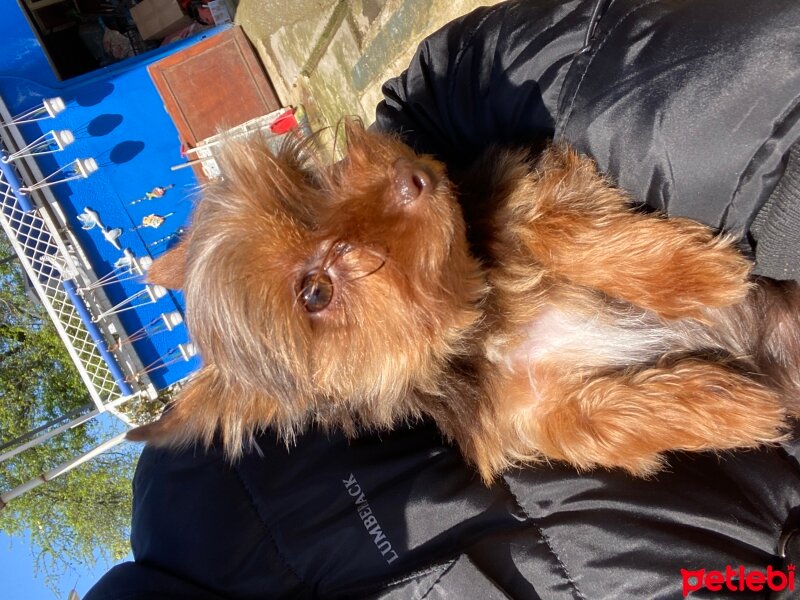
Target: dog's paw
[674,267]
[706,272]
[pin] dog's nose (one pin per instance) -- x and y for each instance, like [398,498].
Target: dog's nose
[410,180]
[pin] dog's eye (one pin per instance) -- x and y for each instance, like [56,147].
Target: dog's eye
[316,291]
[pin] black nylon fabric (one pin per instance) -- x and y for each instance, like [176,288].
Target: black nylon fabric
[493,76]
[285,524]
[691,106]
[619,539]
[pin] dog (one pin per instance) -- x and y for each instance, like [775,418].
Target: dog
[562,325]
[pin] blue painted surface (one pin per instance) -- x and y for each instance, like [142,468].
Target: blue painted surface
[118,118]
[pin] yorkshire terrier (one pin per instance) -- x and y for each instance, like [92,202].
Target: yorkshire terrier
[568,326]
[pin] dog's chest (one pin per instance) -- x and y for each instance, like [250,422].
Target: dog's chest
[627,337]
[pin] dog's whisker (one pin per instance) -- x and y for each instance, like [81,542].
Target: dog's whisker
[335,251]
[382,257]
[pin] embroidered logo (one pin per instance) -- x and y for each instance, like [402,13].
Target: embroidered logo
[371,524]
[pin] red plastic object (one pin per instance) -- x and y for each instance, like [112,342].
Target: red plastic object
[286,122]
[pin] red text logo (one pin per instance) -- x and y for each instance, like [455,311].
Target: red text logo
[738,580]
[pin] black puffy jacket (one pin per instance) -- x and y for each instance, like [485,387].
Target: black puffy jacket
[693,107]
[690,105]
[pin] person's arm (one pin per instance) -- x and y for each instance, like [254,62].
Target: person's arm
[492,76]
[691,108]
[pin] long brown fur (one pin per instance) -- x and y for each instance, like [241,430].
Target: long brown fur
[570,327]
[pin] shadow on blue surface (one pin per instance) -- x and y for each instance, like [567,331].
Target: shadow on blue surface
[103,124]
[125,151]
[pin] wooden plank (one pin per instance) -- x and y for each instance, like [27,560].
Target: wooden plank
[213,85]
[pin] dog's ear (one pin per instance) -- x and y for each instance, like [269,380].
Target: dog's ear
[169,270]
[210,409]
[188,419]
[154,432]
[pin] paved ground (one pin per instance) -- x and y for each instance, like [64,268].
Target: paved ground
[333,55]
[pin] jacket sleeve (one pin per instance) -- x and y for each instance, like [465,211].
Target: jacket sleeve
[693,107]
[195,534]
[399,515]
[492,76]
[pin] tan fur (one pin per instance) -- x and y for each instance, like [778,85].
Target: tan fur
[587,333]
[170,273]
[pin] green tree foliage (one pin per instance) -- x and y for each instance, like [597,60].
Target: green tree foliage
[80,517]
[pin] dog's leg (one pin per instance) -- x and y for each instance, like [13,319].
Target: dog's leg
[628,420]
[568,220]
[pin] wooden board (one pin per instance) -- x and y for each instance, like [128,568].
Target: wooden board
[214,85]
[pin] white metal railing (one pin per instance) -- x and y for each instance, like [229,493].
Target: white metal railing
[38,252]
[55,264]
[60,271]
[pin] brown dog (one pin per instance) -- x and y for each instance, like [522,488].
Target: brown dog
[349,297]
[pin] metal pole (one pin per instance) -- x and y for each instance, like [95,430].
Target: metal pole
[46,436]
[74,412]
[74,423]
[6,497]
